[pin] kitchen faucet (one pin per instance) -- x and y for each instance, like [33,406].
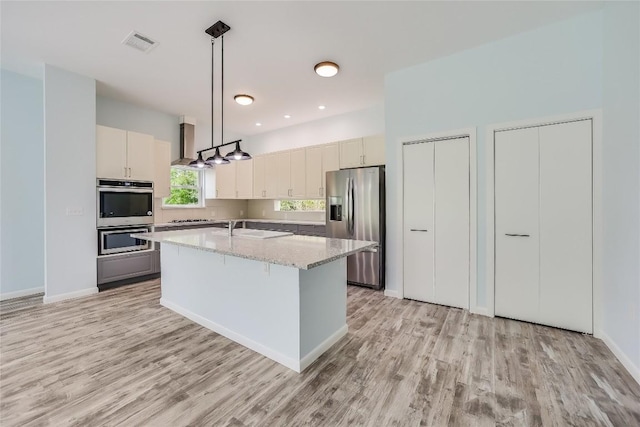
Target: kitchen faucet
[232,225]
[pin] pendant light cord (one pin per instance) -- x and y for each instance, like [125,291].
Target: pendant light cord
[212,69]
[222,94]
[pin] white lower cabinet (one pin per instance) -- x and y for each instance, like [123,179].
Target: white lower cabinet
[543,225]
[436,222]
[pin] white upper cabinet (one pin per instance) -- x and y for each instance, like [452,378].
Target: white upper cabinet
[319,160]
[373,150]
[297,173]
[351,153]
[283,185]
[162,169]
[122,154]
[259,181]
[270,176]
[244,179]
[358,152]
[226,181]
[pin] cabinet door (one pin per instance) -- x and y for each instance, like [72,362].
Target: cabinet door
[140,153]
[283,162]
[451,209]
[351,153]
[565,226]
[244,179]
[298,173]
[517,262]
[330,162]
[314,172]
[259,163]
[111,152]
[226,181]
[418,225]
[162,169]
[271,176]
[373,150]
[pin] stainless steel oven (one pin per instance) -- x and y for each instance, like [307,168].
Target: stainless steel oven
[117,240]
[122,203]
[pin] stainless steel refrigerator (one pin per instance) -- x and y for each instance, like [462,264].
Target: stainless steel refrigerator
[355,208]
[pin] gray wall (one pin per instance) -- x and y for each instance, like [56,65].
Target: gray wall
[122,115]
[621,178]
[70,183]
[21,184]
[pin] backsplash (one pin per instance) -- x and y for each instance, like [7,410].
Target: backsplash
[263,209]
[214,209]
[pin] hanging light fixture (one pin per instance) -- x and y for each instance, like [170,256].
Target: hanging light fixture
[217,30]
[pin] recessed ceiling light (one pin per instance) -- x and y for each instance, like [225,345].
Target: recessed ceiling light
[321,107]
[243,99]
[286,116]
[258,124]
[326,69]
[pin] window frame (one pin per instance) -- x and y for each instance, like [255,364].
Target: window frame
[200,190]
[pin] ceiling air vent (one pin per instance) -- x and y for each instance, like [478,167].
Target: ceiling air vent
[139,41]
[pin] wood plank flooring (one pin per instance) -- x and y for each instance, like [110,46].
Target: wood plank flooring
[119,358]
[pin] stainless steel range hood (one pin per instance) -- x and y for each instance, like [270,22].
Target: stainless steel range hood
[187,142]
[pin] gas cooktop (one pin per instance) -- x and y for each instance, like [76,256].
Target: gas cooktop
[178,221]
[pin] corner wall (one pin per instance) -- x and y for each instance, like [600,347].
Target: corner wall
[552,70]
[70,184]
[621,182]
[21,185]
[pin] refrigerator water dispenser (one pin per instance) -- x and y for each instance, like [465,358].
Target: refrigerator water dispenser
[335,208]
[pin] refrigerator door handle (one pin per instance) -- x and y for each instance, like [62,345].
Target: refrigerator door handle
[351,206]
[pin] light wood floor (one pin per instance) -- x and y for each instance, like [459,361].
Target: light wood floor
[119,358]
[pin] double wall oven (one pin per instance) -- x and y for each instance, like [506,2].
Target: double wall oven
[123,207]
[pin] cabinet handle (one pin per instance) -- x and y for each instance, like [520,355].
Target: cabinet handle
[364,159]
[129,172]
[419,229]
[236,194]
[125,171]
[320,191]
[516,235]
[216,192]
[264,193]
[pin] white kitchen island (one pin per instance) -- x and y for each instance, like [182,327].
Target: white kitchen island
[283,297]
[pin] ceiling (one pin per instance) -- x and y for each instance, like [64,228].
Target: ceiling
[270,50]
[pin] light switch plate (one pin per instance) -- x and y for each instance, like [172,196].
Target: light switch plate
[75,211]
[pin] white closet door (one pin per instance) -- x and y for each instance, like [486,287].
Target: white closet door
[418,221]
[517,262]
[452,222]
[565,226]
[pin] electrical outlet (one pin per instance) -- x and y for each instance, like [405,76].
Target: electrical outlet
[263,213]
[241,212]
[75,211]
[213,213]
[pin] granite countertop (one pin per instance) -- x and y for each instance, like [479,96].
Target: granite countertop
[218,221]
[302,252]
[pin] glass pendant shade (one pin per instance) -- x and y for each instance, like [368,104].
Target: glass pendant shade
[217,159]
[237,154]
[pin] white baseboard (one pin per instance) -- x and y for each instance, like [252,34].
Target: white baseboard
[22,293]
[324,346]
[71,295]
[483,311]
[621,356]
[392,293]
[234,336]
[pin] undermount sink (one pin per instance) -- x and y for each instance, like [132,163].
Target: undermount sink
[253,234]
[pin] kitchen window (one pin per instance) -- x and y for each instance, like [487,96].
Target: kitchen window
[186,188]
[299,205]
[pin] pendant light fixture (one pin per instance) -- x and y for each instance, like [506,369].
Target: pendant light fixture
[217,30]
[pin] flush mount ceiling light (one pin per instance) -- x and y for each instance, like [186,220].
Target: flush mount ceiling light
[321,107]
[243,99]
[217,30]
[287,116]
[326,69]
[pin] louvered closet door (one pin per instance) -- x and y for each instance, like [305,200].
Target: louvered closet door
[517,264]
[418,221]
[566,226]
[452,222]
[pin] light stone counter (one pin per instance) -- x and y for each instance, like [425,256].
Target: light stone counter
[302,252]
[241,220]
[283,297]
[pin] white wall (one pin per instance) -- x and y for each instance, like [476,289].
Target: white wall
[621,180]
[123,115]
[552,70]
[21,185]
[334,128]
[70,173]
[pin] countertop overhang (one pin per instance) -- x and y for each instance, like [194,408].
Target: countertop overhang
[302,252]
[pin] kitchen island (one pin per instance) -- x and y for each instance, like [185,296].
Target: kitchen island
[283,297]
